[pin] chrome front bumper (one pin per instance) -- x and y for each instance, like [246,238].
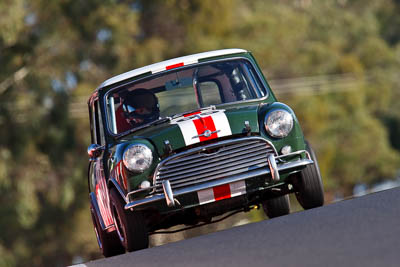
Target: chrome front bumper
[274,169]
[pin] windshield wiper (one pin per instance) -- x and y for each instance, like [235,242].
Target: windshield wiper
[211,107]
[156,122]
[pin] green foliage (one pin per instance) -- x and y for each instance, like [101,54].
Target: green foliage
[53,54]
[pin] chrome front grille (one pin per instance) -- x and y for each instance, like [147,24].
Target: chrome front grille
[212,162]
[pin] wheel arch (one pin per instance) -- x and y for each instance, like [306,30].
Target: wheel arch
[113,183]
[96,209]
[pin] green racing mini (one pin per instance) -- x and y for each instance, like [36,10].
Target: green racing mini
[182,141]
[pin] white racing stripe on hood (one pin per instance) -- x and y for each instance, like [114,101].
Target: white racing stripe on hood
[203,125]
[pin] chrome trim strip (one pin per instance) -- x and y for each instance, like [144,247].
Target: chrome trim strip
[299,152]
[140,190]
[235,178]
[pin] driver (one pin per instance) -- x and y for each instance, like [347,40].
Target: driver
[140,107]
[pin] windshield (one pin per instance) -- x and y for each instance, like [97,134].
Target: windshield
[181,90]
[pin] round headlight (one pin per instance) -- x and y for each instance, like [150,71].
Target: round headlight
[278,123]
[138,158]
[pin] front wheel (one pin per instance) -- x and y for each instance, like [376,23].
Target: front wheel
[309,187]
[109,243]
[276,207]
[131,226]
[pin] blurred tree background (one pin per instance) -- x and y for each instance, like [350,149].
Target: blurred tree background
[335,62]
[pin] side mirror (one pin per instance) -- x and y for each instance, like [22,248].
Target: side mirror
[94,151]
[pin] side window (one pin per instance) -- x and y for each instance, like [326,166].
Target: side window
[98,124]
[92,122]
[210,93]
[240,85]
[253,81]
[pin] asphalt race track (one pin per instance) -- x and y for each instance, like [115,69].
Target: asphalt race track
[363,231]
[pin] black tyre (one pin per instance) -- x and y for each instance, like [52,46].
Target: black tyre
[109,243]
[131,226]
[276,207]
[309,187]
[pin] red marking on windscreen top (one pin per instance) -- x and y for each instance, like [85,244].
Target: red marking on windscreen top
[174,66]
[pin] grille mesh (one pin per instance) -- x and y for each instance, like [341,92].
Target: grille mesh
[213,162]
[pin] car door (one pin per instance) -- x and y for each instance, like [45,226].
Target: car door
[97,180]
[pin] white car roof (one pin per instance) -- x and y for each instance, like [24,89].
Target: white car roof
[169,64]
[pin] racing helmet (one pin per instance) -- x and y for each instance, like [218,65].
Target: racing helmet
[141,106]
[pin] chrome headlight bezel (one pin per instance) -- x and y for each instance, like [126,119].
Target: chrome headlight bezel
[137,158]
[278,123]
